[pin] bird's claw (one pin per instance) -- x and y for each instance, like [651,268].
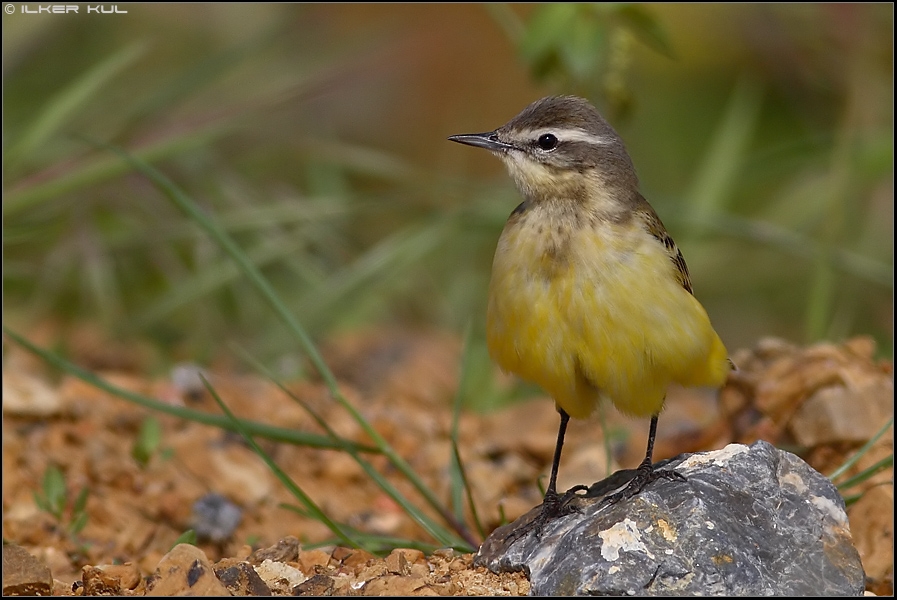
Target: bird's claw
[644,475]
[553,507]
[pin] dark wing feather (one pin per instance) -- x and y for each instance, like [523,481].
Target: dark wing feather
[655,227]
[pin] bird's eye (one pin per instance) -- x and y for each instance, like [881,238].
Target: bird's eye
[547,141]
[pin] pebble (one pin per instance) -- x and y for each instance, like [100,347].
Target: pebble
[23,574]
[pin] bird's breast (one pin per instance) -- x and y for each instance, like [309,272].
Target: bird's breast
[551,277]
[540,253]
[595,301]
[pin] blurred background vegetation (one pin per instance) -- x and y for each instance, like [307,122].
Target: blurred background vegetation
[762,133]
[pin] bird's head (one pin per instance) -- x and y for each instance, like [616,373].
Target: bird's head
[559,144]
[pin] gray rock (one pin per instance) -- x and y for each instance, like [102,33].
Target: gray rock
[215,518]
[750,520]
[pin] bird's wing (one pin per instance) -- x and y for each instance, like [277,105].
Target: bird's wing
[658,231]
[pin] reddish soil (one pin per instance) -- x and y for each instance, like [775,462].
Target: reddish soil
[403,384]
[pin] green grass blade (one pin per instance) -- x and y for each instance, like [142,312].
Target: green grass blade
[211,279]
[885,463]
[376,544]
[725,156]
[861,452]
[270,432]
[60,109]
[460,486]
[440,534]
[45,186]
[188,537]
[285,479]
[264,288]
[794,244]
[55,493]
[386,260]
[81,501]
[220,236]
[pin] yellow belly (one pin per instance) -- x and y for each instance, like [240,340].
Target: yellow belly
[605,318]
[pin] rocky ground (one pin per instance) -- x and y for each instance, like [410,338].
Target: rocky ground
[138,499]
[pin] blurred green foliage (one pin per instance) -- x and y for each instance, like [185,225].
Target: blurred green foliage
[315,135]
[53,498]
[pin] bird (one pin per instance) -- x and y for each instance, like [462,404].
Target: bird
[590,297]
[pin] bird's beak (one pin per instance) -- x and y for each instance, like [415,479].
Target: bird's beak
[488,140]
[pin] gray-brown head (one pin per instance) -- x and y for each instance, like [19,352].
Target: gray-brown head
[558,142]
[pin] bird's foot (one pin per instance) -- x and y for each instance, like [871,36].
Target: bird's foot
[553,507]
[644,474]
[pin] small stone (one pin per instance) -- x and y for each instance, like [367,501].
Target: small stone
[446,588]
[396,586]
[244,553]
[412,555]
[286,550]
[280,578]
[61,588]
[185,571]
[97,582]
[215,518]
[128,574]
[397,564]
[312,560]
[844,413]
[319,585]
[419,570]
[358,559]
[111,580]
[24,575]
[372,570]
[26,395]
[240,578]
[446,553]
[341,553]
[187,379]
[872,523]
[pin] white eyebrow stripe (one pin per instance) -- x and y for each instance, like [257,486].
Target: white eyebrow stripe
[571,134]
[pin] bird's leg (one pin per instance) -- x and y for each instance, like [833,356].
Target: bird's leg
[553,505]
[645,473]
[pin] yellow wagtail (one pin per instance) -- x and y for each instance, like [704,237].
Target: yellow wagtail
[590,298]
